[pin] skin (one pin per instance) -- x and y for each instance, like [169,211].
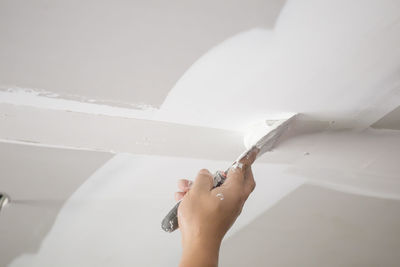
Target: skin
[204,218]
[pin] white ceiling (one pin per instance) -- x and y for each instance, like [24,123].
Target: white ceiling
[39,181]
[331,60]
[174,85]
[113,216]
[337,230]
[117,52]
[344,68]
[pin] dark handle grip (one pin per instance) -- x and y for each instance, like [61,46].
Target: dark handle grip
[170,222]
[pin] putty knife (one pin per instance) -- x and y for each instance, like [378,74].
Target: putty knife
[262,137]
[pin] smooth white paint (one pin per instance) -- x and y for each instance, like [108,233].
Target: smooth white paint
[332,60]
[116,134]
[38,180]
[37,144]
[356,189]
[343,68]
[119,52]
[314,227]
[114,218]
[267,134]
[44,100]
[362,161]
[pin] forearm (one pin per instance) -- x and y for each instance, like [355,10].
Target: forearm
[200,254]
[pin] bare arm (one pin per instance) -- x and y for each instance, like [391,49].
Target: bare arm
[206,214]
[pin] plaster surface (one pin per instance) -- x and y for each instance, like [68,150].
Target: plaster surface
[114,218]
[39,181]
[115,134]
[337,62]
[359,161]
[345,68]
[124,53]
[332,60]
[318,227]
[389,121]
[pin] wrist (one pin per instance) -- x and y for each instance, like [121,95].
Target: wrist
[200,252]
[202,243]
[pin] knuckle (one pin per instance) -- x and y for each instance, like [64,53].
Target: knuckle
[245,166]
[252,186]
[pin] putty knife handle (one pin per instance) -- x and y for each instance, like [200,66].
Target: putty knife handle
[170,222]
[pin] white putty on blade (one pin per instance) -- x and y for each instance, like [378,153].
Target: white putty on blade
[264,136]
[264,143]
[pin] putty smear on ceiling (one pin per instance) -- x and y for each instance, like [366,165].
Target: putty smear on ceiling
[118,52]
[295,66]
[152,92]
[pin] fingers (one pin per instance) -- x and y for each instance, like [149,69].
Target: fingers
[203,182]
[235,177]
[250,157]
[184,185]
[240,175]
[237,173]
[179,195]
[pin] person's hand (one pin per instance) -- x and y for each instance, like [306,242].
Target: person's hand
[206,214]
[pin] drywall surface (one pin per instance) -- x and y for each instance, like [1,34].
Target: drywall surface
[115,217]
[319,227]
[39,181]
[115,134]
[389,121]
[333,158]
[96,88]
[333,60]
[362,162]
[124,53]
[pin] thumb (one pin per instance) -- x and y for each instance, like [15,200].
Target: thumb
[204,181]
